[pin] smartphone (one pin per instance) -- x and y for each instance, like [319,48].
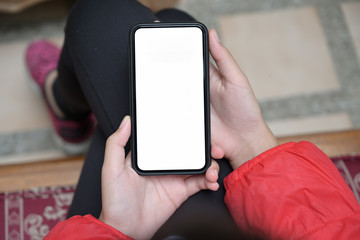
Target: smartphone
[169,84]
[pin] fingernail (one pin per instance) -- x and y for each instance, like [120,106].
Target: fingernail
[216,36]
[124,121]
[215,171]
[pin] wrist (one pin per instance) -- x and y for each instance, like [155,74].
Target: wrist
[123,229]
[261,142]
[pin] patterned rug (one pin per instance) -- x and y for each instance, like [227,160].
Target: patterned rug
[30,214]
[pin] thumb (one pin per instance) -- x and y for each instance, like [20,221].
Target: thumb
[115,144]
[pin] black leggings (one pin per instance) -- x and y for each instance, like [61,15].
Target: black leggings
[93,77]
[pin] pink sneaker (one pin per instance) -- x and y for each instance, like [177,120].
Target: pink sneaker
[72,136]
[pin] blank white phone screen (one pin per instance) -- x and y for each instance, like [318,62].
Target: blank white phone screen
[169,83]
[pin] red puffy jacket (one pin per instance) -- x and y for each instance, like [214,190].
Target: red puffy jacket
[292,191]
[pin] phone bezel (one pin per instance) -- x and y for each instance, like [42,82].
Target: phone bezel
[133,139]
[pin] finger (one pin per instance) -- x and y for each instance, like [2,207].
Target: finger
[212,174]
[115,144]
[224,60]
[122,135]
[216,151]
[208,180]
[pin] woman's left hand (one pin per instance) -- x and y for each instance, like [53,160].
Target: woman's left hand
[139,205]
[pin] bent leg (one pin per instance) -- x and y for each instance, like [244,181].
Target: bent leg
[67,91]
[96,52]
[94,74]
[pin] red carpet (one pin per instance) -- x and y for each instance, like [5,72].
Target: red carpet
[30,214]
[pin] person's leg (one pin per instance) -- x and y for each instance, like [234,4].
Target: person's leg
[174,15]
[93,73]
[96,52]
[68,94]
[88,79]
[67,88]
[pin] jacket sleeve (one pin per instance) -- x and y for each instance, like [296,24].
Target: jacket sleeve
[293,191]
[86,227]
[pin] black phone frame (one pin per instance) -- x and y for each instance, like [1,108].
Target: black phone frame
[133,139]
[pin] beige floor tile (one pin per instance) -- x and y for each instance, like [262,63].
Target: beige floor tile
[352,15]
[316,124]
[20,107]
[283,53]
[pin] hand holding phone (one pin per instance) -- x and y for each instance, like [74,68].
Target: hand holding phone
[141,196]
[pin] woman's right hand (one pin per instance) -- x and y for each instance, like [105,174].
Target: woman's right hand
[238,130]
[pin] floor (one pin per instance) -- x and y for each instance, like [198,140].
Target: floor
[302,59]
